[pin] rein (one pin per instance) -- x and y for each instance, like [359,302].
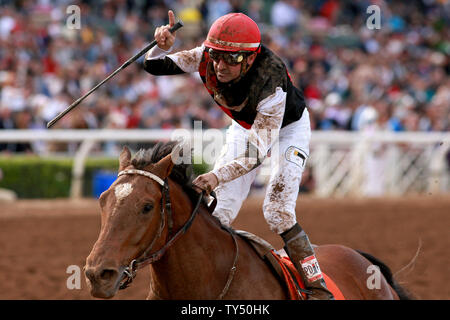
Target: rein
[148,258]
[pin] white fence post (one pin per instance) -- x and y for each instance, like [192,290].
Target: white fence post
[437,181]
[76,188]
[321,169]
[358,164]
[392,177]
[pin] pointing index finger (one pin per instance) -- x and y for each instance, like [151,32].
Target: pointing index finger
[171,18]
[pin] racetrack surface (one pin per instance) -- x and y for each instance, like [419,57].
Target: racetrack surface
[40,239]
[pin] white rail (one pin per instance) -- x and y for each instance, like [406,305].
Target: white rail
[334,137]
[343,163]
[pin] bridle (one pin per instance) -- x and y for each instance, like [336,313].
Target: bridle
[147,258]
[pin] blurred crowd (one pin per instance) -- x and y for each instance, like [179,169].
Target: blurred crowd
[354,77]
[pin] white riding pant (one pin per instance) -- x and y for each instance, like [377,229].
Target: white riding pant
[288,159]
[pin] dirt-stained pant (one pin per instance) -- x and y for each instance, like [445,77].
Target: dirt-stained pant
[288,159]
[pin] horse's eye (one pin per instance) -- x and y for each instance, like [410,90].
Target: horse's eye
[147,208]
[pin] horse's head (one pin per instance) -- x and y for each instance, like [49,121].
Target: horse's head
[130,221]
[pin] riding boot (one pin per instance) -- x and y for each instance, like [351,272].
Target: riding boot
[301,253]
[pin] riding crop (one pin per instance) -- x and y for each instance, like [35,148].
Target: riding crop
[175,27]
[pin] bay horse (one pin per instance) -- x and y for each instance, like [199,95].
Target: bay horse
[151,216]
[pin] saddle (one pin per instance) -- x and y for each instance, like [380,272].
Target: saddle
[284,268]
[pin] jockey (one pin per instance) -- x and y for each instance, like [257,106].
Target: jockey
[251,85]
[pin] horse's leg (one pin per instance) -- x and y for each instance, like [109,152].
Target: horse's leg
[351,272]
[151,293]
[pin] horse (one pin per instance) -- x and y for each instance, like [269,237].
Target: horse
[151,216]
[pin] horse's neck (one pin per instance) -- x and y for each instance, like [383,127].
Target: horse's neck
[198,263]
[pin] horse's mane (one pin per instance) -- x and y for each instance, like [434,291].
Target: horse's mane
[181,173]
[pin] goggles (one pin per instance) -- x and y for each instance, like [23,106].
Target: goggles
[230,58]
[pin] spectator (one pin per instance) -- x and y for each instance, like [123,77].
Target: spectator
[401,71]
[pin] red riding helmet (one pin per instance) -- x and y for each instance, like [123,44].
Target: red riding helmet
[234,32]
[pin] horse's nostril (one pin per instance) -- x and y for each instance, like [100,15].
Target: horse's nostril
[89,273]
[107,274]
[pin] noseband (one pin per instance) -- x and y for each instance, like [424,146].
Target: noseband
[148,258]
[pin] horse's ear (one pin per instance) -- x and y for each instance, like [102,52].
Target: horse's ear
[124,158]
[163,167]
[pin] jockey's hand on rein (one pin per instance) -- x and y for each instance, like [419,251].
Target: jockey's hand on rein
[207,182]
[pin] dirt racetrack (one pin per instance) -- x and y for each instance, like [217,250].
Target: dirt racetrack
[39,240]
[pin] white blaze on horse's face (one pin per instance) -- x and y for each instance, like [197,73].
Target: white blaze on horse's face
[123,190]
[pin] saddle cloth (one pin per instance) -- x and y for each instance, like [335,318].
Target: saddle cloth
[284,268]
